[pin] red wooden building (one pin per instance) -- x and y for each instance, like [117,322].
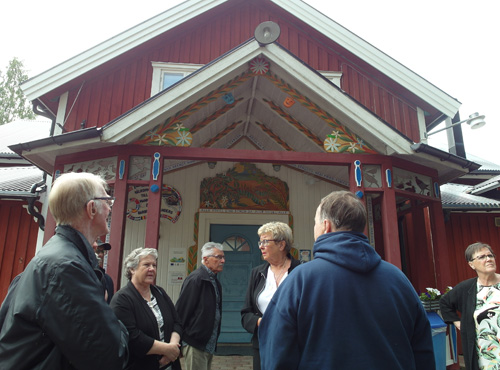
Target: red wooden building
[217,116]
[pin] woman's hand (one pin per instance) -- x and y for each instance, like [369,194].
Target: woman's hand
[457,324]
[171,351]
[163,361]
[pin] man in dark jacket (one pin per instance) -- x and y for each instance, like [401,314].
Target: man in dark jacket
[200,309]
[346,309]
[101,249]
[57,317]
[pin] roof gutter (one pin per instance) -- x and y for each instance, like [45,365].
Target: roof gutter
[83,134]
[445,156]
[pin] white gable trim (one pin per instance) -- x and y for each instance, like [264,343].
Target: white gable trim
[92,58]
[376,58]
[109,49]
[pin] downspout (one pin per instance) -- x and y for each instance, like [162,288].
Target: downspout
[31,201]
[40,110]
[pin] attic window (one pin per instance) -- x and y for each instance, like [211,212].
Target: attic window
[332,76]
[166,74]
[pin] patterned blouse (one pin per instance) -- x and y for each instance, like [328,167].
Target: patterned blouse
[487,319]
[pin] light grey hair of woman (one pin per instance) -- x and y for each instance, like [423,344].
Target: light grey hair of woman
[474,248]
[209,247]
[132,260]
[279,231]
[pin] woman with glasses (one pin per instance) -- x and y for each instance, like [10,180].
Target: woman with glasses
[275,242]
[478,302]
[149,315]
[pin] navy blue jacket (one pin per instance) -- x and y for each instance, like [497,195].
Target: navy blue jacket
[346,309]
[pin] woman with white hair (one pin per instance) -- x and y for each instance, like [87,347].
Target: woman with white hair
[275,243]
[149,315]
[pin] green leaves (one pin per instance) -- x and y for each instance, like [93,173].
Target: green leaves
[13,104]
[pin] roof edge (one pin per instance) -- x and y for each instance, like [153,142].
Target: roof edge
[115,46]
[372,55]
[445,156]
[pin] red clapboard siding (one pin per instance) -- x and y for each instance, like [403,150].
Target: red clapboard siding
[201,40]
[18,236]
[463,229]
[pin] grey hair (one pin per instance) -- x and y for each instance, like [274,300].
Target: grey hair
[132,260]
[474,248]
[280,231]
[71,192]
[208,248]
[344,210]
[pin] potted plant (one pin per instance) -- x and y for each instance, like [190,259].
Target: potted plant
[430,298]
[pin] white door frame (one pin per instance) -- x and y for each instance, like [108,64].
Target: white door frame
[234,218]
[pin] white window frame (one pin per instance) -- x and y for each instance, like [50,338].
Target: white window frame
[159,68]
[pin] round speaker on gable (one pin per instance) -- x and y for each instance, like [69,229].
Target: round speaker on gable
[267,33]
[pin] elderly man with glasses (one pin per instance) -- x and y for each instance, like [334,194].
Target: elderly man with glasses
[200,309]
[57,317]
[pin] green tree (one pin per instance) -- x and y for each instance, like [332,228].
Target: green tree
[13,103]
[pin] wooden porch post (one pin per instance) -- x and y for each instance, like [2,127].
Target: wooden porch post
[154,202]
[50,223]
[389,215]
[117,229]
[439,245]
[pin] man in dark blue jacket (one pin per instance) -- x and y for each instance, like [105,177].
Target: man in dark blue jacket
[56,316]
[346,309]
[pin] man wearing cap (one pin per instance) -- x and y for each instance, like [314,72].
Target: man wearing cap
[101,249]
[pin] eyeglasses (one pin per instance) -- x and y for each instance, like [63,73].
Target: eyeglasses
[483,257]
[260,243]
[109,200]
[218,256]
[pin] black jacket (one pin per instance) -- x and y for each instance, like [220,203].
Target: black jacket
[250,313]
[134,312]
[57,317]
[462,298]
[196,308]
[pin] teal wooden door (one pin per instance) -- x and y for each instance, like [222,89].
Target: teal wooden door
[242,254]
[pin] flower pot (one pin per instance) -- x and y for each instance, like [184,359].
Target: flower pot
[431,305]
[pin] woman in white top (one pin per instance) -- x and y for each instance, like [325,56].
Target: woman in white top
[275,243]
[474,307]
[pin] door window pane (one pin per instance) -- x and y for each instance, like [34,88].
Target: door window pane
[236,243]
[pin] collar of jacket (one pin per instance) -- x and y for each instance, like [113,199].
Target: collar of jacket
[81,243]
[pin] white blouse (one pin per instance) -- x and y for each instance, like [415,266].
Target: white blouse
[269,289]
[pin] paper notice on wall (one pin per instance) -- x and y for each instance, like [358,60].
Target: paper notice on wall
[176,277]
[177,259]
[176,265]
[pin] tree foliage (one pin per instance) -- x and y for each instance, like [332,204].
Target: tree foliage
[13,103]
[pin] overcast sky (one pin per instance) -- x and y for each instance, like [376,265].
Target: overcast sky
[454,44]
